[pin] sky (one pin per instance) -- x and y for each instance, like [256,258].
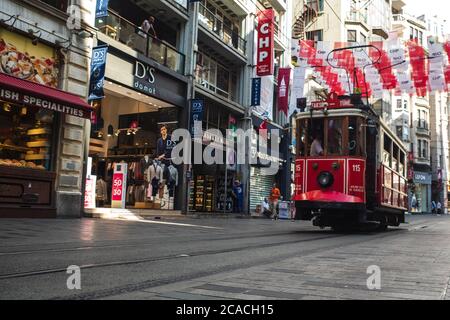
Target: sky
[429,7]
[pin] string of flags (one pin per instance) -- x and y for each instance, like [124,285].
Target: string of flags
[403,66]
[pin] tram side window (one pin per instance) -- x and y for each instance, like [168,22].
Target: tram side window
[402,164]
[387,159]
[302,137]
[395,164]
[334,137]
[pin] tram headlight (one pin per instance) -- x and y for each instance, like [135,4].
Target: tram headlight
[325,179]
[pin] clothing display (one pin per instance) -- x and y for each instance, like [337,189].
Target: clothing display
[144,164]
[101,191]
[155,171]
[155,186]
[145,180]
[173,175]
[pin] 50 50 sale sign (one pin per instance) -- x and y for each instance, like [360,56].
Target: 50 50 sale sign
[119,185]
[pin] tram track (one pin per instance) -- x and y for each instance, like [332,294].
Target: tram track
[161,258]
[145,285]
[184,255]
[128,287]
[141,244]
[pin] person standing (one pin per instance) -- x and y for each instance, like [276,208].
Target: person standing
[439,208]
[275,195]
[316,147]
[148,26]
[238,192]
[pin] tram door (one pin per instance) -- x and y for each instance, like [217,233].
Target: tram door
[371,172]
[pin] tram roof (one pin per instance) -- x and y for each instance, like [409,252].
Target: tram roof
[338,112]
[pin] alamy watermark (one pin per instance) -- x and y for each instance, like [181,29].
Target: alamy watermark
[239,147]
[374,280]
[74,280]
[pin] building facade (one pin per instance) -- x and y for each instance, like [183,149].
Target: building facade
[201,52]
[44,116]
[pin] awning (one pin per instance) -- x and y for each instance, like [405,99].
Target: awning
[32,94]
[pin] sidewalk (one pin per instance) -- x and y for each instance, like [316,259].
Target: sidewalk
[137,214]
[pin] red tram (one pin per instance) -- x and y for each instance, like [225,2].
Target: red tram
[350,168]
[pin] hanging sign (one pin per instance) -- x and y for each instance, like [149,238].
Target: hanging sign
[284,75]
[197,106]
[101,9]
[264,66]
[98,64]
[256,92]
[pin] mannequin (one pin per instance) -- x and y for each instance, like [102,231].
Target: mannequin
[172,182]
[100,192]
[155,175]
[145,163]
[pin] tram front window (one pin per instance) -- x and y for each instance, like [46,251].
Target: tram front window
[334,137]
[356,136]
[302,137]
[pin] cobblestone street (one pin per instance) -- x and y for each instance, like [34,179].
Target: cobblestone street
[221,259]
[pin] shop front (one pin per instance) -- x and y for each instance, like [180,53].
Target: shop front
[420,197]
[131,141]
[213,186]
[261,179]
[32,114]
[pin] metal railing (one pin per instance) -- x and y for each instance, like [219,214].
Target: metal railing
[398,17]
[358,16]
[126,32]
[182,3]
[225,33]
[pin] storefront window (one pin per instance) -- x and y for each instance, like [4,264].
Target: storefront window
[25,137]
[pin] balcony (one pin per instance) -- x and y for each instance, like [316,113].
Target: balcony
[278,5]
[398,18]
[423,129]
[225,33]
[182,3]
[119,29]
[356,16]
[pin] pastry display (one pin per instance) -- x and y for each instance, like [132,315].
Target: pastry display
[28,143]
[21,164]
[23,66]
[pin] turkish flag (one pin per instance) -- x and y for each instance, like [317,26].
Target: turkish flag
[447,48]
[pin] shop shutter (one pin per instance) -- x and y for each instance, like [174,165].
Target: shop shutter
[260,187]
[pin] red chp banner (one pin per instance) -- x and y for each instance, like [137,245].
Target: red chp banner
[284,75]
[264,66]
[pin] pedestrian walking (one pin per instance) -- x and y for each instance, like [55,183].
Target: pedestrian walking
[275,195]
[433,207]
[439,208]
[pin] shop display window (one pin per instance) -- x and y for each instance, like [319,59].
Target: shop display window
[25,137]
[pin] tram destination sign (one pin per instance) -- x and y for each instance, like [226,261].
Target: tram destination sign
[332,102]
